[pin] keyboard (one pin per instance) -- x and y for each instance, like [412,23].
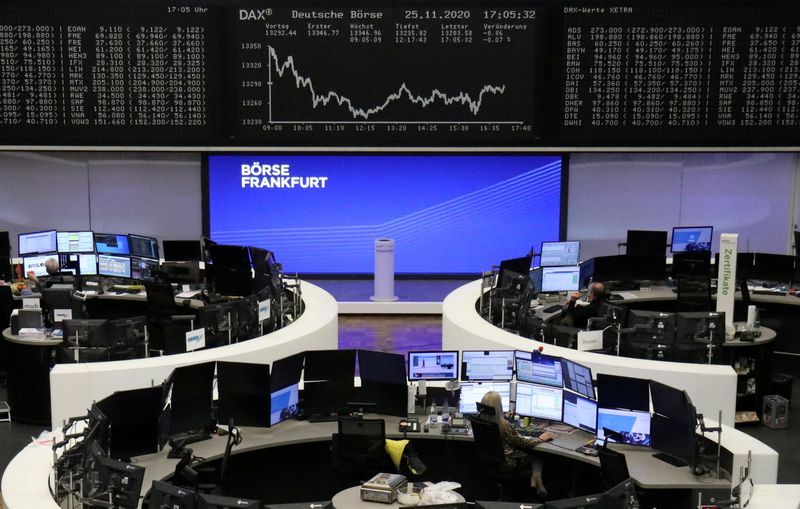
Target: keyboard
[553,308]
[768,292]
[530,432]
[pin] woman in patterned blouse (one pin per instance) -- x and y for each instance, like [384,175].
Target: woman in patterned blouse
[513,441]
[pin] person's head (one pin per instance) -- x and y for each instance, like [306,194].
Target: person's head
[494,400]
[51,266]
[596,290]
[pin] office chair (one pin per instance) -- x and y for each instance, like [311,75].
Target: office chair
[164,315]
[6,306]
[490,458]
[358,449]
[614,467]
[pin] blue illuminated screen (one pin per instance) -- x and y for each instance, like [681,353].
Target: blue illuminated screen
[446,213]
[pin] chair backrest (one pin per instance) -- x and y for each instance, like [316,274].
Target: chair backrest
[362,437]
[614,467]
[160,299]
[488,442]
[6,306]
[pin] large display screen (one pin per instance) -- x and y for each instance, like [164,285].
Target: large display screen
[446,213]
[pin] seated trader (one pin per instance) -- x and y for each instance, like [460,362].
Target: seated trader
[578,316]
[53,275]
[513,441]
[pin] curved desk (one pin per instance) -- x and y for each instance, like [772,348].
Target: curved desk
[28,377]
[74,387]
[25,482]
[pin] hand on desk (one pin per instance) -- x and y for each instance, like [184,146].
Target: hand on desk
[547,436]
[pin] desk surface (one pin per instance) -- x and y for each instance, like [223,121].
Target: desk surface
[351,499]
[14,338]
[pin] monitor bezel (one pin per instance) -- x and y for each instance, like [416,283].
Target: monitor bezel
[430,379]
[155,241]
[98,251]
[99,273]
[539,416]
[464,375]
[672,237]
[20,235]
[577,255]
[58,248]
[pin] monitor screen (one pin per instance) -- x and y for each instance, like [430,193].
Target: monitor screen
[182,250]
[623,392]
[79,264]
[538,368]
[577,378]
[653,326]
[422,201]
[672,403]
[114,266]
[634,426]
[110,243]
[580,412]
[145,247]
[75,242]
[144,269]
[472,393]
[691,238]
[284,404]
[382,367]
[539,401]
[772,267]
[163,494]
[700,327]
[560,279]
[674,437]
[487,365]
[36,265]
[559,254]
[37,242]
[646,243]
[433,365]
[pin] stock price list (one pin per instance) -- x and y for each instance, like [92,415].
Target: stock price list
[94,76]
[386,76]
[680,75]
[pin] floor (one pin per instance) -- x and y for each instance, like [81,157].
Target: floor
[400,333]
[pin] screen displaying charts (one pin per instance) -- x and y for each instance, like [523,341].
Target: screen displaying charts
[559,254]
[632,425]
[539,401]
[577,378]
[75,242]
[478,365]
[37,242]
[560,279]
[114,266]
[472,393]
[433,365]
[539,368]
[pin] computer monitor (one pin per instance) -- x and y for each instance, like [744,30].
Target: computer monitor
[675,439]
[144,269]
[622,496]
[174,497]
[539,401]
[615,391]
[84,264]
[596,501]
[383,382]
[123,481]
[577,378]
[89,332]
[111,243]
[772,267]
[579,412]
[219,321]
[653,326]
[330,365]
[190,391]
[471,393]
[205,501]
[744,265]
[284,404]
[559,254]
[432,365]
[75,242]
[646,243]
[647,268]
[143,247]
[700,327]
[114,266]
[181,272]
[511,269]
[560,279]
[672,403]
[284,388]
[230,270]
[692,265]
[133,417]
[608,268]
[244,393]
[36,264]
[632,425]
[37,242]
[487,365]
[691,238]
[538,368]
[182,250]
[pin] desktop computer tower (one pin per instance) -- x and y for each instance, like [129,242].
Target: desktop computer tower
[775,414]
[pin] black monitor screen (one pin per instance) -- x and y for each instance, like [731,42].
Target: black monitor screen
[111,243]
[182,251]
[145,247]
[672,403]
[287,371]
[771,267]
[538,368]
[653,326]
[122,480]
[577,378]
[580,412]
[610,268]
[382,367]
[644,267]
[37,242]
[144,269]
[623,392]
[674,437]
[75,242]
[692,238]
[557,254]
[513,266]
[432,365]
[487,365]
[244,393]
[744,265]
[87,332]
[191,398]
[331,365]
[700,327]
[646,243]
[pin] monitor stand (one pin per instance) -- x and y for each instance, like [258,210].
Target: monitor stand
[179,442]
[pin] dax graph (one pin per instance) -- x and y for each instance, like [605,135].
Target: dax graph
[389,76]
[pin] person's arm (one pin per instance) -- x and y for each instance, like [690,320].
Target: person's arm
[517,441]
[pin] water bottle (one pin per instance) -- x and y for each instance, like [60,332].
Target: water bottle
[446,412]
[432,418]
